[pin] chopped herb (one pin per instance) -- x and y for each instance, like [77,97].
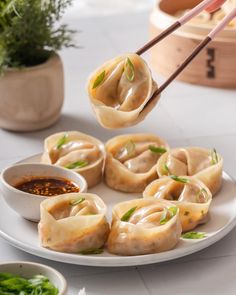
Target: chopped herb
[168,214]
[130,147]
[91,251]
[186,213]
[194,235]
[15,284]
[62,141]
[166,169]
[128,214]
[203,192]
[77,202]
[129,70]
[179,179]
[158,150]
[214,157]
[78,164]
[99,80]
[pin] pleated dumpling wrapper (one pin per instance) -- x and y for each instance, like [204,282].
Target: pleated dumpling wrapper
[144,226]
[77,151]
[131,161]
[189,194]
[204,164]
[73,223]
[120,89]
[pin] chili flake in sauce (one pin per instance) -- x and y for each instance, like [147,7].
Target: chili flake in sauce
[46,186]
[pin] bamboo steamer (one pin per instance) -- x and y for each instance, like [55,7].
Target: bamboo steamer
[215,66]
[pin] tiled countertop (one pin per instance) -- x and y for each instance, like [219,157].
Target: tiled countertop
[186,115]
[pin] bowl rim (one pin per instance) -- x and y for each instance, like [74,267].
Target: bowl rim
[82,180]
[44,266]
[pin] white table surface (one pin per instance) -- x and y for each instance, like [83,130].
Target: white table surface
[186,115]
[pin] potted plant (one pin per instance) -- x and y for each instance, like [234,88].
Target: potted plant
[31,81]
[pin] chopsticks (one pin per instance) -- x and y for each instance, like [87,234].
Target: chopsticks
[195,52]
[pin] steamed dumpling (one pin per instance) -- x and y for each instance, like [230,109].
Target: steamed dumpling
[119,90]
[204,164]
[73,223]
[144,226]
[132,160]
[190,195]
[77,151]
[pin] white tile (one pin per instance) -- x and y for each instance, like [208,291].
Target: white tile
[115,283]
[205,277]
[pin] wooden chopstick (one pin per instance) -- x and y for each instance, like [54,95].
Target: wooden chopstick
[184,19]
[195,52]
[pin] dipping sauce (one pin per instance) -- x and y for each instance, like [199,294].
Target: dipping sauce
[48,187]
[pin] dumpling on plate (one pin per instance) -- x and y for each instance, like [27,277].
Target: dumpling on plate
[204,164]
[77,151]
[120,89]
[73,223]
[190,195]
[144,226]
[131,161]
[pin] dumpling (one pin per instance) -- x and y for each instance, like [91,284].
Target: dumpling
[190,195]
[131,161]
[78,151]
[144,226]
[204,164]
[120,89]
[73,223]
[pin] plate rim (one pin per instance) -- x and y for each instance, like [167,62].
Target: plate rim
[121,261]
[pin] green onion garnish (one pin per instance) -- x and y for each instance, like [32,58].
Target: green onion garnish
[214,157]
[78,164]
[91,251]
[194,235]
[130,147]
[129,70]
[99,80]
[166,169]
[168,214]
[179,179]
[158,150]
[128,214]
[77,202]
[62,141]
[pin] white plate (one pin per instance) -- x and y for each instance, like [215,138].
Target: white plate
[23,234]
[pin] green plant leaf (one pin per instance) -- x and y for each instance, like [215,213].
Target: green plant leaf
[99,80]
[92,251]
[158,150]
[194,235]
[179,179]
[77,202]
[128,214]
[129,70]
[62,141]
[78,164]
[204,192]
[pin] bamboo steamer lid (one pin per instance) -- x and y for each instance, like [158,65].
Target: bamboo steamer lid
[215,66]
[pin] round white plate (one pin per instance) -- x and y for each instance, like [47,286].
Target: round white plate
[23,234]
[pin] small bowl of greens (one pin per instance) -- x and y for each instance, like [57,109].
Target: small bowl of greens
[28,278]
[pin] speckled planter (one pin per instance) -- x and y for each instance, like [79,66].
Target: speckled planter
[31,98]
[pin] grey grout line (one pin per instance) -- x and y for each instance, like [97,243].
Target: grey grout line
[143,280]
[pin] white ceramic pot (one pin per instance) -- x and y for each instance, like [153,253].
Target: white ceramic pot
[31,98]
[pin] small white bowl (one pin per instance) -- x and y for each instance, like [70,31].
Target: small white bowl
[25,204]
[29,269]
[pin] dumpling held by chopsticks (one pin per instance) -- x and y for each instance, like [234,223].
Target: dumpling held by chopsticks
[119,91]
